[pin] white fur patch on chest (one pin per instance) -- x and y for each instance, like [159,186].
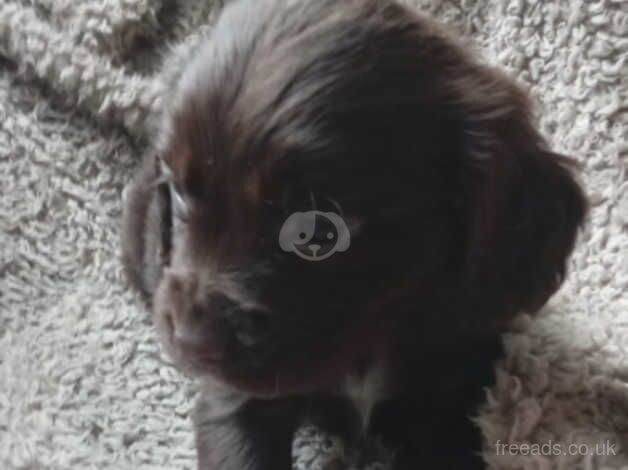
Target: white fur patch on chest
[367,389]
[218,400]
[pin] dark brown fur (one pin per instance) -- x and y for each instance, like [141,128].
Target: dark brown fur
[460,217]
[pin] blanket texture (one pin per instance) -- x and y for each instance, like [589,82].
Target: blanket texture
[83,384]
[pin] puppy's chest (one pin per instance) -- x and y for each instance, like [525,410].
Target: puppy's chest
[366,387]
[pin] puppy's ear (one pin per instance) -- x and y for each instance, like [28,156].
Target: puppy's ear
[524,204]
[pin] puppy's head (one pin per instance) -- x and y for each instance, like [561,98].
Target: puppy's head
[343,173]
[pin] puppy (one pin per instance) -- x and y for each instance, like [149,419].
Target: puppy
[343,212]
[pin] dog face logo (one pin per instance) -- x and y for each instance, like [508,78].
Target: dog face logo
[314,235]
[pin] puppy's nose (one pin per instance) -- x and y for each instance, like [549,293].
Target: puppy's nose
[314,247]
[199,338]
[180,283]
[252,328]
[191,323]
[182,291]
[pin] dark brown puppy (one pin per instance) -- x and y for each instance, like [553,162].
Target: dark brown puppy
[358,210]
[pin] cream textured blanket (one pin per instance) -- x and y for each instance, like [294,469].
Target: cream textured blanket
[82,382]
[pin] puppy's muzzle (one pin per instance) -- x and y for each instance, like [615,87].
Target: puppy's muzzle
[203,325]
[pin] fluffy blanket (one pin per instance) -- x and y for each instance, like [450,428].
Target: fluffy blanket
[82,382]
